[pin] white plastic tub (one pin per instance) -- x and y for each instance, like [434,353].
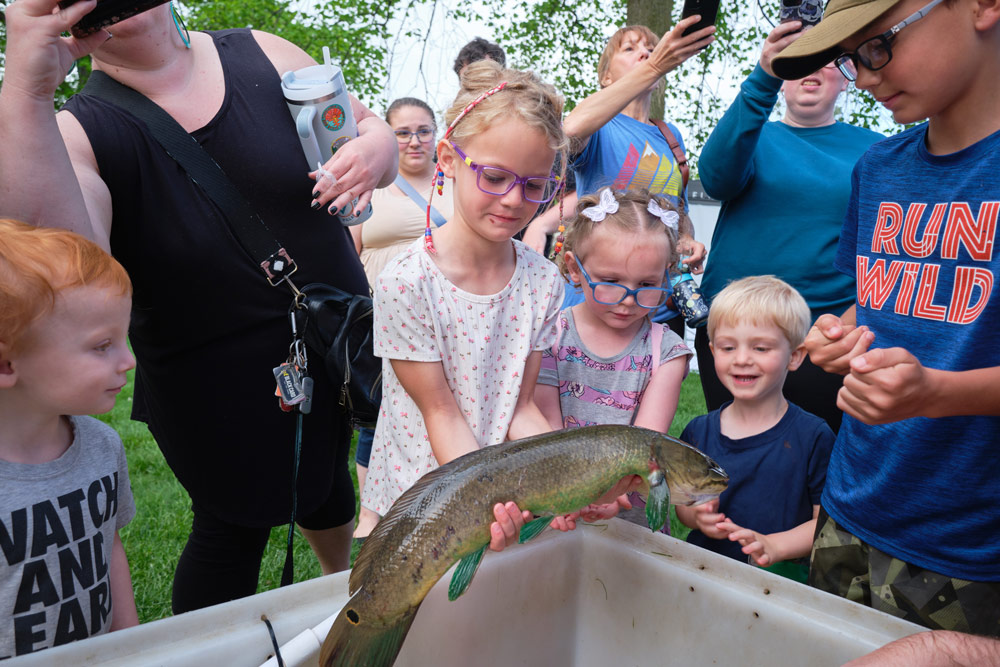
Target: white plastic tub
[613,594]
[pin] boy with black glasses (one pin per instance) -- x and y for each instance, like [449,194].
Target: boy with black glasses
[909,518]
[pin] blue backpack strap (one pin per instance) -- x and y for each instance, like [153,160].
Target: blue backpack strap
[412,193]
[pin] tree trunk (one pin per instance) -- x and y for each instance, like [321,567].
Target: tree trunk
[655,14]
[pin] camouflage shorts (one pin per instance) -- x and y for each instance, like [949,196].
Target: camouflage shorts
[844,565]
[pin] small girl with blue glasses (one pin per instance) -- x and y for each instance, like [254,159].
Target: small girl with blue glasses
[462,315]
[612,364]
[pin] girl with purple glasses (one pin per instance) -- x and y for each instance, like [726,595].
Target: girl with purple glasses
[462,315]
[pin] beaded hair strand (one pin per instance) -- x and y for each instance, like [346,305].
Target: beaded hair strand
[437,180]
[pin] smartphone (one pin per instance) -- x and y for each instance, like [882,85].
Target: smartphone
[707,9]
[808,11]
[108,12]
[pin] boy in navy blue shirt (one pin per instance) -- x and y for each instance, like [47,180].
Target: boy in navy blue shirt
[909,518]
[775,453]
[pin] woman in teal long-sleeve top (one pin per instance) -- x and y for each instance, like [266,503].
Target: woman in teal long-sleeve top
[784,187]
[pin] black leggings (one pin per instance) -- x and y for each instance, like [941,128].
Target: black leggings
[810,387]
[221,561]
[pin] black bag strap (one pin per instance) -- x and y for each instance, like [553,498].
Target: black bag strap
[248,228]
[246,225]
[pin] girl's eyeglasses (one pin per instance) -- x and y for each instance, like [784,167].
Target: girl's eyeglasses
[498,182]
[611,294]
[423,135]
[875,53]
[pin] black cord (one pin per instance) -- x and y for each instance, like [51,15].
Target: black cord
[274,640]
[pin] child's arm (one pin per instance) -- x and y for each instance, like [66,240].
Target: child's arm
[547,400]
[528,419]
[776,547]
[704,518]
[659,402]
[123,611]
[449,434]
[889,385]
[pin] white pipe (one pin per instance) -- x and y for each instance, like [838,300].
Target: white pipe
[303,649]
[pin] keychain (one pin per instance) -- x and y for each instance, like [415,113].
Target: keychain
[295,387]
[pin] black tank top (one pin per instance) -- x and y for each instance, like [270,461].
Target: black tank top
[207,328]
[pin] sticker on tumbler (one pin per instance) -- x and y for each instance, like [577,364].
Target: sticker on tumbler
[334,117]
[338,144]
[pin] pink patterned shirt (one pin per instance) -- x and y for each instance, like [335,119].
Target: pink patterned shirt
[482,342]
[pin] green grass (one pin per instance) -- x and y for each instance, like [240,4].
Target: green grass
[155,537]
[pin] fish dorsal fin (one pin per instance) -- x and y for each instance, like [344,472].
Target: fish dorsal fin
[464,573]
[398,515]
[534,528]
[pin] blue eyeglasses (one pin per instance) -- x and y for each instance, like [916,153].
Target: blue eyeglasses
[498,182]
[875,53]
[611,294]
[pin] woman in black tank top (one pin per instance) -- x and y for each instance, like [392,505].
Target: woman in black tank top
[206,328]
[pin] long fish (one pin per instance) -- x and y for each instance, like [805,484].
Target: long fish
[446,516]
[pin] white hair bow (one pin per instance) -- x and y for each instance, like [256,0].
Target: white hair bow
[669,218]
[606,205]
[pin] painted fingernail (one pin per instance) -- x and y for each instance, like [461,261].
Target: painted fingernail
[331,210]
[316,194]
[316,205]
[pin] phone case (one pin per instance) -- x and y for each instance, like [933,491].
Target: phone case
[108,12]
[808,11]
[707,9]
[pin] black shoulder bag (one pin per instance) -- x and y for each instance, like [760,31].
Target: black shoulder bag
[336,324]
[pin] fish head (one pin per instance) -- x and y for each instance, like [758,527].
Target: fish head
[691,476]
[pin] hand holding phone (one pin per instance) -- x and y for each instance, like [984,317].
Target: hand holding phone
[707,9]
[808,11]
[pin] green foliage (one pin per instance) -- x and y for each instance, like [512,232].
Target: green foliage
[355,31]
[561,41]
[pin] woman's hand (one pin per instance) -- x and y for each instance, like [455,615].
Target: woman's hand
[674,48]
[38,57]
[364,163]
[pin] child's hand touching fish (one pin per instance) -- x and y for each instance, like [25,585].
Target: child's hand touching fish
[506,530]
[707,517]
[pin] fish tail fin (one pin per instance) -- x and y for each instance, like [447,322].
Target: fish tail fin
[358,638]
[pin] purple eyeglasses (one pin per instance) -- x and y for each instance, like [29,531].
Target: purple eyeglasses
[496,181]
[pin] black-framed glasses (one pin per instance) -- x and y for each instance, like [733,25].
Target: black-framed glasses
[423,135]
[498,181]
[611,294]
[875,53]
